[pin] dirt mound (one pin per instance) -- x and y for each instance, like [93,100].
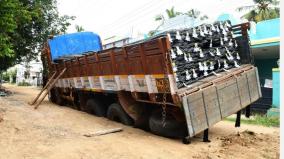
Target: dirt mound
[4,92]
[244,138]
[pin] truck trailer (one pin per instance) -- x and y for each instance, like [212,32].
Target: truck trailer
[139,85]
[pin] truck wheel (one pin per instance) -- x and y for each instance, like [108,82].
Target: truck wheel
[116,113]
[76,102]
[58,99]
[172,128]
[95,107]
[51,96]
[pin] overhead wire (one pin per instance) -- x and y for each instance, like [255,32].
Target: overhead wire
[134,12]
[137,17]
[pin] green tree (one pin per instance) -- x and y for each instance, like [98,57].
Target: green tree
[79,28]
[194,13]
[25,27]
[261,10]
[10,75]
[7,25]
[171,13]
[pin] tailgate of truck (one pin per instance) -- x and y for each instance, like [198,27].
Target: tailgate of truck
[208,101]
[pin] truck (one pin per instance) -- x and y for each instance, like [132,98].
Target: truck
[136,85]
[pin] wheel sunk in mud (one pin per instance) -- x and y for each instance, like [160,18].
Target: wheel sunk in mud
[51,95]
[116,113]
[58,99]
[96,107]
[172,127]
[54,97]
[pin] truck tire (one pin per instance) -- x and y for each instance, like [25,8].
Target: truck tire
[58,99]
[51,96]
[76,102]
[95,107]
[116,113]
[172,128]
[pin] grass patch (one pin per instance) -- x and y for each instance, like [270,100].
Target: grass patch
[258,120]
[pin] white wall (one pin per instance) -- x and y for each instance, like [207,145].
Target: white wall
[35,68]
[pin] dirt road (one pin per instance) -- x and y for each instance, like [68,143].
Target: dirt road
[54,132]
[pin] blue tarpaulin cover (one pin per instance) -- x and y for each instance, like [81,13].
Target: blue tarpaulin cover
[74,44]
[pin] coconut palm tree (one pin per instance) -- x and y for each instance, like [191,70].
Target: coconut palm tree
[196,14]
[79,28]
[171,13]
[261,10]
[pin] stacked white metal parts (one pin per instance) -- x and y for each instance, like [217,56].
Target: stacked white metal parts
[202,51]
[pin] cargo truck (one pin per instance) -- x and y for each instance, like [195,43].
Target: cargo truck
[136,85]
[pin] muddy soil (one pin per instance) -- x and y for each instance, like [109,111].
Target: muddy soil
[57,132]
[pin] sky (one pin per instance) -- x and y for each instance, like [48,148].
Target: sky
[131,17]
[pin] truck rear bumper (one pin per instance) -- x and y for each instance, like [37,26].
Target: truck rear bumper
[210,102]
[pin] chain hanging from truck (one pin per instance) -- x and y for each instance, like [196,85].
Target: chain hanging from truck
[164,106]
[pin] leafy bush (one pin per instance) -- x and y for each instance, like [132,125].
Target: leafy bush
[24,84]
[6,75]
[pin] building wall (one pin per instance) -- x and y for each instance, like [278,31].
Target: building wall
[276,87]
[265,68]
[265,72]
[116,43]
[35,78]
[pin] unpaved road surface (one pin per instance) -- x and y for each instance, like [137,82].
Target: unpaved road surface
[54,132]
